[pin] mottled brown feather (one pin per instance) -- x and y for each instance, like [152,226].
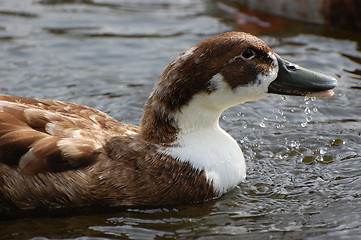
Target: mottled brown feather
[43,156]
[31,130]
[56,154]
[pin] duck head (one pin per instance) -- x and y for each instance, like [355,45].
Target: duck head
[220,72]
[239,63]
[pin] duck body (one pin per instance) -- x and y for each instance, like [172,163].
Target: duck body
[52,170]
[58,154]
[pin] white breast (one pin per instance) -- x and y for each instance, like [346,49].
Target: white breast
[215,152]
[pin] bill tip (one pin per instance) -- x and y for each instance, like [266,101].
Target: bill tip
[327,93]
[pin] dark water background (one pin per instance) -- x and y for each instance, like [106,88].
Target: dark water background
[303,154]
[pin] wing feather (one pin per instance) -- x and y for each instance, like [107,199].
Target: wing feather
[50,136]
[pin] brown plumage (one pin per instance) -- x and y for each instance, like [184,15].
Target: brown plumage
[58,154]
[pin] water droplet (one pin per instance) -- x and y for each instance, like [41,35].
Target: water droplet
[307,100]
[315,109]
[262,124]
[304,124]
[323,151]
[294,144]
[307,110]
[280,112]
[224,117]
[308,118]
[283,156]
[284,98]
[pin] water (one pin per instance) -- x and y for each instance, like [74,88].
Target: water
[303,154]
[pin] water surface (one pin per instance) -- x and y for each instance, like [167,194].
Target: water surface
[303,154]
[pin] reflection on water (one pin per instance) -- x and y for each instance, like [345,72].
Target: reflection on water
[303,154]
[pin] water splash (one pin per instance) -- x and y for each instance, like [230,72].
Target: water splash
[304,124]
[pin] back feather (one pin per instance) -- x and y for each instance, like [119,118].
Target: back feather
[44,135]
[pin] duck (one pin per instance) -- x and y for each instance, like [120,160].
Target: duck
[56,154]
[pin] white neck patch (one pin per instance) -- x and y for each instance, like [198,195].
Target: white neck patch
[215,152]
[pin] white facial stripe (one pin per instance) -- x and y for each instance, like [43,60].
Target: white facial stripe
[224,96]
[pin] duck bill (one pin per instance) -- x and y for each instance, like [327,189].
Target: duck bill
[298,81]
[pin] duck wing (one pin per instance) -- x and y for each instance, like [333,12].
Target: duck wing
[52,136]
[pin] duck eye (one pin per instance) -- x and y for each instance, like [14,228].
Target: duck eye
[248,54]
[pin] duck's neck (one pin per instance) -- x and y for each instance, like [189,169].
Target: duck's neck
[193,135]
[190,132]
[173,110]
[158,124]
[161,125]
